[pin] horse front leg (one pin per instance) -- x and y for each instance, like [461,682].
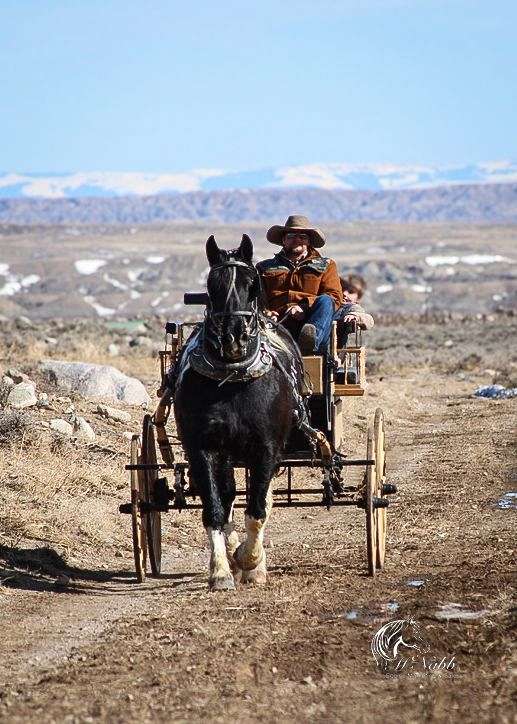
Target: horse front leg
[206,475]
[250,555]
[226,485]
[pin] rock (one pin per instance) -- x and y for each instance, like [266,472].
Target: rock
[51,341]
[62,580]
[24,323]
[83,430]
[69,410]
[43,400]
[96,381]
[456,612]
[127,435]
[18,376]
[61,426]
[22,395]
[113,350]
[448,343]
[111,413]
[7,381]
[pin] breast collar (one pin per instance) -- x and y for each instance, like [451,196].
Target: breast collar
[198,358]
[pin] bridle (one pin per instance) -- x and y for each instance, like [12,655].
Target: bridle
[214,320]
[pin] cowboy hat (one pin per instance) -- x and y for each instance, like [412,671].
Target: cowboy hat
[296,223]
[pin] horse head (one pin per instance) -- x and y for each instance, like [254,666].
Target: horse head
[234,289]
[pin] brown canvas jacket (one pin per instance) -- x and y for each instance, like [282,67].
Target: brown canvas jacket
[286,284]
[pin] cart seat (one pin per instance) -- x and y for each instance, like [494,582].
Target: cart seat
[348,376]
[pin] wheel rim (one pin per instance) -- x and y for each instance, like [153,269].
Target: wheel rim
[153,518]
[380,456]
[137,520]
[371,513]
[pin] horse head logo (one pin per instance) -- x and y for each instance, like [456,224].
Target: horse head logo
[394,638]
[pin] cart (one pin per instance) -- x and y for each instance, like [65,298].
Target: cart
[330,379]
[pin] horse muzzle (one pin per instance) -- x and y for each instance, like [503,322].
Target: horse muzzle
[234,348]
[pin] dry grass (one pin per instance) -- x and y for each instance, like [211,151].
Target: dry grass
[54,493]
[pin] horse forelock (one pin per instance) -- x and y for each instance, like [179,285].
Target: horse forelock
[220,276]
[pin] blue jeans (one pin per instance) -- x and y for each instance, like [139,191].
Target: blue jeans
[320,314]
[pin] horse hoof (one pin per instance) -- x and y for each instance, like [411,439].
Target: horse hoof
[222,584]
[246,563]
[255,577]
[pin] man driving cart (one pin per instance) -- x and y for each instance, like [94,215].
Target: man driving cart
[302,288]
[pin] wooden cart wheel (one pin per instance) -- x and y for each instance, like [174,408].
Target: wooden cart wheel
[371,512]
[153,524]
[380,469]
[137,520]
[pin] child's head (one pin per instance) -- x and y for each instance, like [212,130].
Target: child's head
[353,286]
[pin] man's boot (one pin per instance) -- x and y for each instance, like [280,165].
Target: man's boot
[307,339]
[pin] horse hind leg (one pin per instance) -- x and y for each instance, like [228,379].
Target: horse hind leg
[226,484]
[232,543]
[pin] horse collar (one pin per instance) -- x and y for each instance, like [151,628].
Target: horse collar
[251,368]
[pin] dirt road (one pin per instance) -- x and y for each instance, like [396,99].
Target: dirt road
[105,649]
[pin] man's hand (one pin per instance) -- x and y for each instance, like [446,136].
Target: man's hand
[296,312]
[273,316]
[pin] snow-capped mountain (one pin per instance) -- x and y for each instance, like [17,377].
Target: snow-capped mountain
[332,176]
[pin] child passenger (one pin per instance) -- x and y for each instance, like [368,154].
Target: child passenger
[351,313]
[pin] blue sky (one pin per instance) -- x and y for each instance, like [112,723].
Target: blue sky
[159,85]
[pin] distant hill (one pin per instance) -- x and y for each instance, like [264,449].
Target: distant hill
[495,203]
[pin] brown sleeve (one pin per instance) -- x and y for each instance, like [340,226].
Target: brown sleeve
[331,285]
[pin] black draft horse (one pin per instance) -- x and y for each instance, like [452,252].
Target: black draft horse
[231,415]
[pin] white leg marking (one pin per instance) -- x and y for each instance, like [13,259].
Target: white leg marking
[220,575]
[251,553]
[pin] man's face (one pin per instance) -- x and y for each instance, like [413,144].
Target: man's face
[295,242]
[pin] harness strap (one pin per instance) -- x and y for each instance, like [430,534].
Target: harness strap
[160,418]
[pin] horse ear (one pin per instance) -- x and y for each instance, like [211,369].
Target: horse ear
[246,249]
[213,253]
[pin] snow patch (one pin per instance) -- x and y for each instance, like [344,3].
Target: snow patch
[441,260]
[134,274]
[114,282]
[11,287]
[475,259]
[88,266]
[155,259]
[384,288]
[421,288]
[101,311]
[29,280]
